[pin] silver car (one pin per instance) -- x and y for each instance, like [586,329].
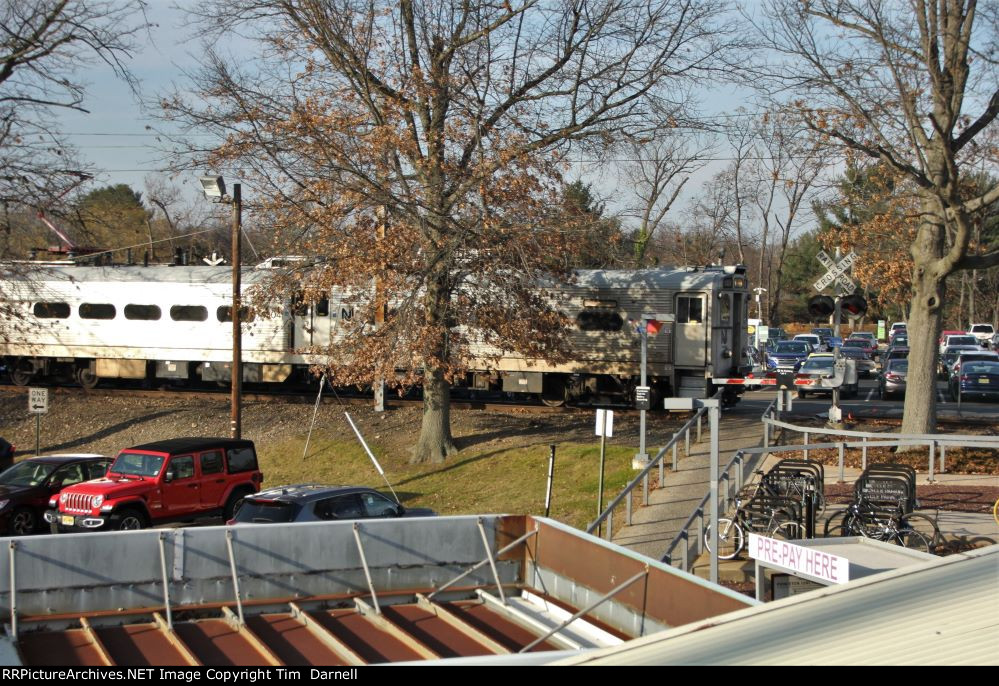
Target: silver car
[891,380]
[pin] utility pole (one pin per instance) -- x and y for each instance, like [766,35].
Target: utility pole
[236,385]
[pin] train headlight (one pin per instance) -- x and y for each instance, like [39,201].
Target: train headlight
[727,353]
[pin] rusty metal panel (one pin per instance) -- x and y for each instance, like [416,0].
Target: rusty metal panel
[217,644]
[71,648]
[136,645]
[291,641]
[508,634]
[667,595]
[433,632]
[372,644]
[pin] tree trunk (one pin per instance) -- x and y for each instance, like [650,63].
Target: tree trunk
[435,442]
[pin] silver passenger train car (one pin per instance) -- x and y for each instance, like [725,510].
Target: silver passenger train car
[174,322]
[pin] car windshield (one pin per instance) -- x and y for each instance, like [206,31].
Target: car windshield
[818,364]
[27,473]
[854,343]
[789,347]
[852,353]
[137,464]
[961,340]
[267,511]
[898,366]
[982,328]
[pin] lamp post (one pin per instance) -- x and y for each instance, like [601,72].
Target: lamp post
[214,187]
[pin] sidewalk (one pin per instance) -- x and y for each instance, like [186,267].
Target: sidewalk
[654,527]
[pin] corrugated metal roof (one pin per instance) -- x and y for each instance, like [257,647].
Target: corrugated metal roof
[944,612]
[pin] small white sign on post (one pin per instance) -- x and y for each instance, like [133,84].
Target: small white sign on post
[811,563]
[607,429]
[38,400]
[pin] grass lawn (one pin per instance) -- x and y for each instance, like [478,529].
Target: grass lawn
[474,481]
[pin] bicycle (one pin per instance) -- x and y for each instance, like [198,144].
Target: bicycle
[913,530]
[776,519]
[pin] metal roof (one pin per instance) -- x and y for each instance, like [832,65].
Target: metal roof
[942,612]
[193,443]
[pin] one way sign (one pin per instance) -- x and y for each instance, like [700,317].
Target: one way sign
[38,400]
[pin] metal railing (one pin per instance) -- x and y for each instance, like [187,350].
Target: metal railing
[692,424]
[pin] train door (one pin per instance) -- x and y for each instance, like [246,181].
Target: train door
[312,322]
[691,339]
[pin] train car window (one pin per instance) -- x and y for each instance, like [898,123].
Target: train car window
[97,311]
[599,320]
[188,313]
[224,314]
[689,309]
[51,310]
[725,301]
[323,308]
[142,312]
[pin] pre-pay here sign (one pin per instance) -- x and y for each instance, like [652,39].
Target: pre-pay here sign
[797,559]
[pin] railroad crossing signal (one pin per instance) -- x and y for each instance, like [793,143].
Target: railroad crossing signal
[836,272]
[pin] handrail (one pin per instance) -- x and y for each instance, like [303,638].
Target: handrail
[643,475]
[919,438]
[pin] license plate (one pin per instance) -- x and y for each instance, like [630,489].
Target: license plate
[67,520]
[983,381]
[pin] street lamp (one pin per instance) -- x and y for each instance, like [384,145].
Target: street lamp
[214,187]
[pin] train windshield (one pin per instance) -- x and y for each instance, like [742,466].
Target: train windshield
[137,464]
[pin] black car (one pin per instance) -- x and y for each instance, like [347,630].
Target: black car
[26,487]
[316,503]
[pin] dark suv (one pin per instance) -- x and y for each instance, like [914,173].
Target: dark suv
[180,479]
[316,503]
[26,487]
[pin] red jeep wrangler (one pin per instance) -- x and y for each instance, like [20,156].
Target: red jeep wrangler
[174,480]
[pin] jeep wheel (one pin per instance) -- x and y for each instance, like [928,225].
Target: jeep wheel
[131,520]
[233,504]
[22,522]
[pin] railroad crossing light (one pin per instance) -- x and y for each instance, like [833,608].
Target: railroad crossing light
[821,306]
[854,305]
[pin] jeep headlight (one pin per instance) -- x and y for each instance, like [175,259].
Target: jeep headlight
[97,501]
[63,497]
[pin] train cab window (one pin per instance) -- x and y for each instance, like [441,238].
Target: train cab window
[725,307]
[97,311]
[323,308]
[51,310]
[224,314]
[142,312]
[188,313]
[599,320]
[689,309]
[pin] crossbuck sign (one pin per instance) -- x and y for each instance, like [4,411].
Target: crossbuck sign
[836,272]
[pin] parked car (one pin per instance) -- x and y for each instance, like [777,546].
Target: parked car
[317,503]
[950,356]
[787,356]
[975,379]
[972,356]
[891,380]
[866,335]
[813,340]
[26,487]
[833,342]
[897,353]
[899,340]
[821,365]
[865,365]
[864,345]
[896,327]
[961,339]
[179,479]
[942,342]
[983,332]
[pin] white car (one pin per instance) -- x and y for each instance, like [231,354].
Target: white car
[812,339]
[983,332]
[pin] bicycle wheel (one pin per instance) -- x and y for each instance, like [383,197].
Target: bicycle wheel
[911,539]
[925,525]
[730,538]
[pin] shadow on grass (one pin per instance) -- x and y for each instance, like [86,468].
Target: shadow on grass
[109,431]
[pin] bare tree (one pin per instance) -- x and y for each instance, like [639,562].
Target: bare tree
[657,169]
[914,85]
[451,121]
[45,48]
